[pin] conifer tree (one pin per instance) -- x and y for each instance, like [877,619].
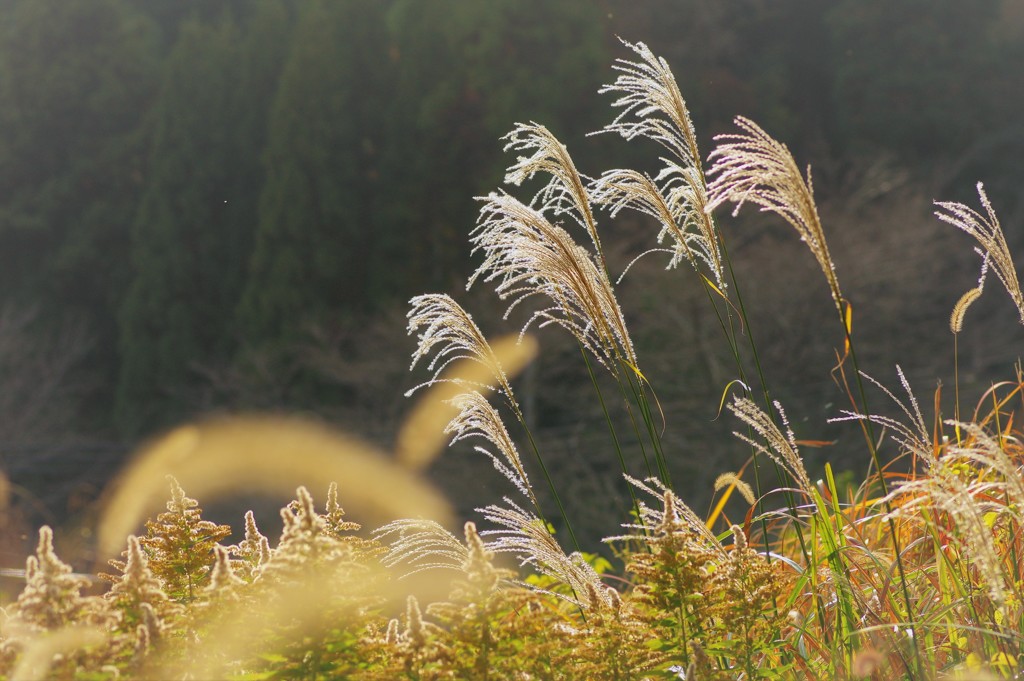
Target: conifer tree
[319,214]
[76,81]
[193,232]
[464,75]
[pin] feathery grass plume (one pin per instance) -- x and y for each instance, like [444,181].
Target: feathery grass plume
[270,454]
[956,318]
[526,255]
[445,330]
[420,544]
[991,242]
[678,204]
[780,447]
[478,418]
[912,435]
[755,167]
[653,107]
[467,360]
[527,537]
[566,191]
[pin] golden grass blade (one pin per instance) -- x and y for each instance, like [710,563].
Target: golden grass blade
[423,436]
[848,324]
[40,651]
[725,395]
[267,454]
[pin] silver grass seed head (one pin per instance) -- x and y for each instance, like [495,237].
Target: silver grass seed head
[781,447]
[678,205]
[447,331]
[526,536]
[653,107]
[566,192]
[911,432]
[651,104]
[527,256]
[754,167]
[421,545]
[992,246]
[477,417]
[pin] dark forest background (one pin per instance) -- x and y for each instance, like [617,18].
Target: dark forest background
[218,206]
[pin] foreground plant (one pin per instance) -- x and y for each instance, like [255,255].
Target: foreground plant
[918,573]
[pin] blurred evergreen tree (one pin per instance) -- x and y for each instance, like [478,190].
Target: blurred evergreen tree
[375,126]
[76,80]
[194,229]
[322,205]
[465,74]
[171,15]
